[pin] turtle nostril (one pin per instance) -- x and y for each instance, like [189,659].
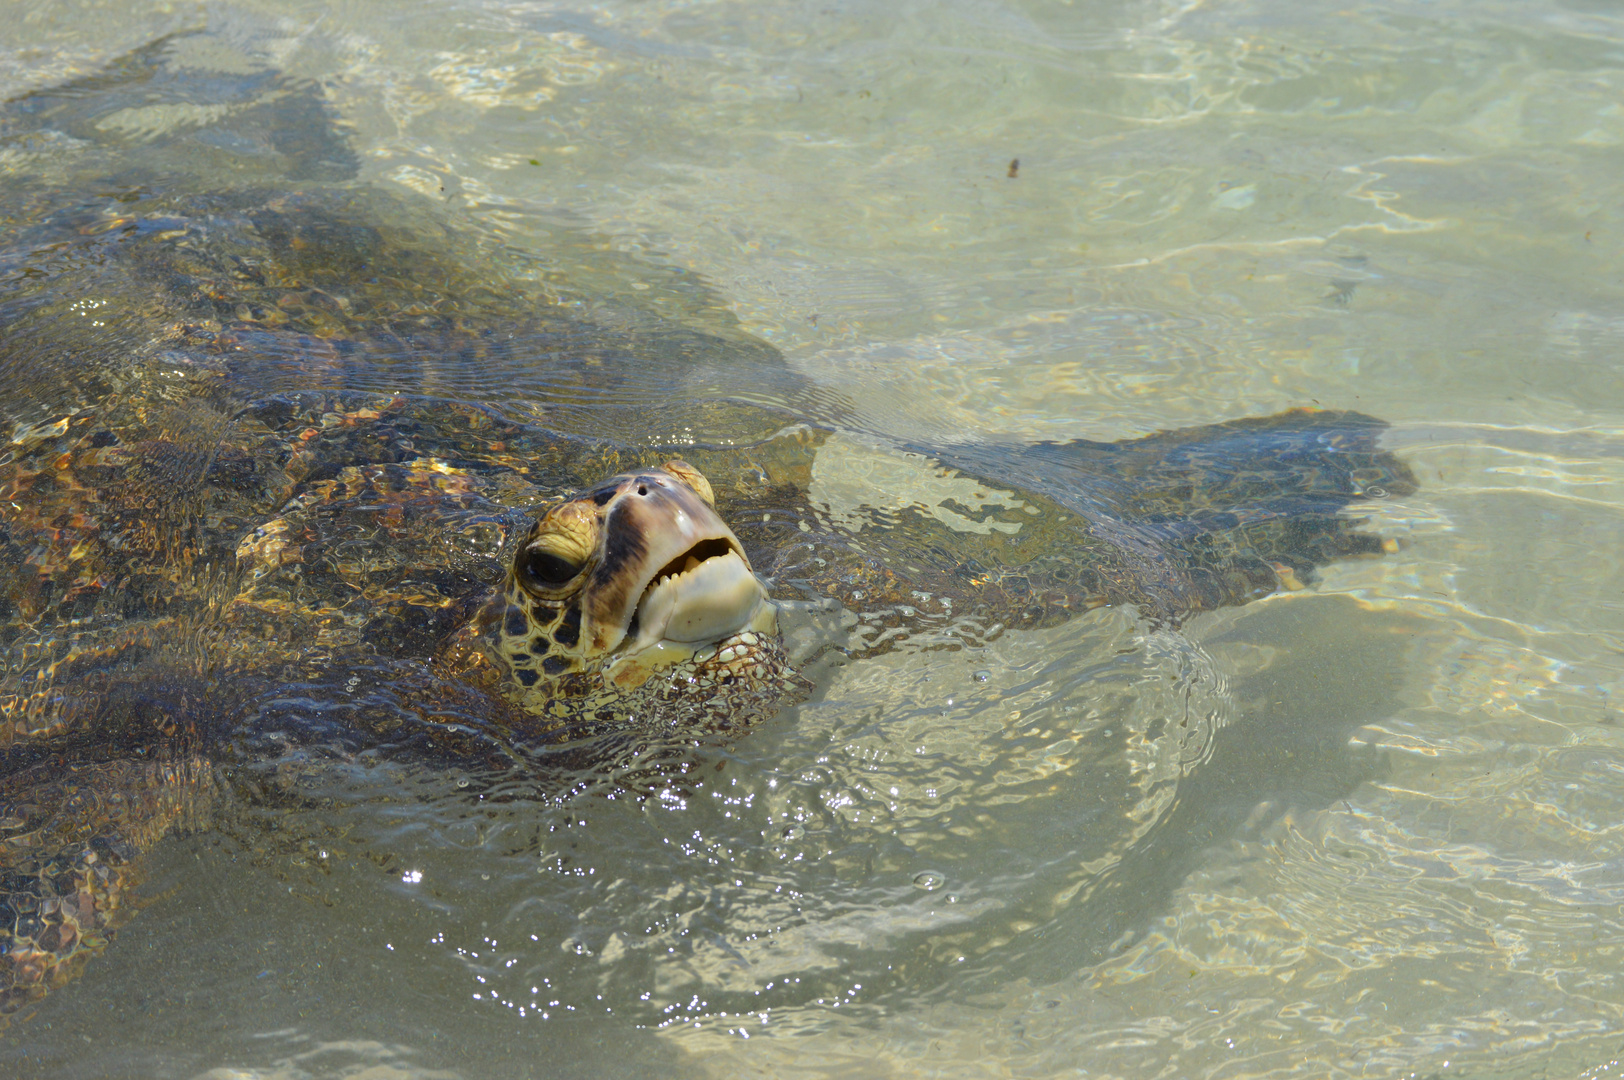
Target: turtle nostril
[642,490]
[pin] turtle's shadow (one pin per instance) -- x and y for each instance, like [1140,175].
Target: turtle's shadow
[1290,750]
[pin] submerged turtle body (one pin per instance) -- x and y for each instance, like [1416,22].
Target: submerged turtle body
[273,436]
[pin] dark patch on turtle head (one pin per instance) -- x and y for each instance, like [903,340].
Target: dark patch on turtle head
[568,631]
[516,624]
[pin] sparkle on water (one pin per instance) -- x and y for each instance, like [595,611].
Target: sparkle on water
[1384,839]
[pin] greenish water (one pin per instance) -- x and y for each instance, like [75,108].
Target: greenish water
[1389,843]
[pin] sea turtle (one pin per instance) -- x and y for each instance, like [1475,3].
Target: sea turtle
[281,450]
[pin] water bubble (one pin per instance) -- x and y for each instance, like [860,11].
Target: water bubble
[462,782]
[929,880]
[1376,491]
[983,675]
[794,832]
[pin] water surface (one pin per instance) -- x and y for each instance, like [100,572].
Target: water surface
[1383,839]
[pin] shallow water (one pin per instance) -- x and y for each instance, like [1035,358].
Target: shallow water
[1384,839]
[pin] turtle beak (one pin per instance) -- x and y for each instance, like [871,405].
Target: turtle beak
[672,577]
[703,595]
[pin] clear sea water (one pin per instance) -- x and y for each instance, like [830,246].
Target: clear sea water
[1392,843]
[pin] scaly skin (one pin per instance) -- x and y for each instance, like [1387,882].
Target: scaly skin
[70,836]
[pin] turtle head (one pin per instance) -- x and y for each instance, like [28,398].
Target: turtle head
[637,574]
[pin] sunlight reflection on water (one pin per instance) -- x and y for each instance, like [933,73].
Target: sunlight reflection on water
[1389,842]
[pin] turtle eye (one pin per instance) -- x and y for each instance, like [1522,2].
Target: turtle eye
[543,571]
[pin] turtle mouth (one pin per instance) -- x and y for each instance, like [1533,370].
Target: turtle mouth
[667,580]
[701,596]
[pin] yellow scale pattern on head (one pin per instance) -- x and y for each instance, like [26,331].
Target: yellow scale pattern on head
[527,637]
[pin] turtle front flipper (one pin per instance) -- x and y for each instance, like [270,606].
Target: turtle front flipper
[1218,515]
[71,837]
[146,112]
[949,546]
[1205,517]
